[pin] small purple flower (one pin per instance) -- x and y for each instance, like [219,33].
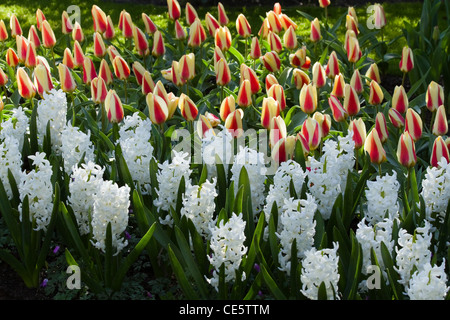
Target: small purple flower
[149,295]
[44,283]
[56,250]
[256,267]
[127,235]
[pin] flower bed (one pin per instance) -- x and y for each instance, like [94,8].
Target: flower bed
[226,163]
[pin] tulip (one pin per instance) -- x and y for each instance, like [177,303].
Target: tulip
[89,71]
[191,14]
[3,78]
[356,82]
[374,148]
[105,73]
[174,9]
[249,74]
[223,74]
[99,46]
[12,59]
[434,96]
[376,94]
[380,17]
[126,24]
[358,128]
[222,38]
[351,101]
[16,29]
[353,50]
[381,127]
[324,3]
[243,27]
[373,74]
[31,57]
[99,19]
[22,46]
[400,99]
[274,22]
[270,81]
[319,77]
[300,78]
[315,30]
[275,42]
[42,80]
[3,31]
[66,24]
[244,98]
[407,61]
[157,108]
[213,119]
[255,49]
[265,28]
[98,90]
[34,37]
[188,109]
[413,124]
[351,24]
[338,86]
[270,109]
[187,66]
[324,121]
[352,13]
[290,38]
[223,18]
[138,70]
[172,104]
[121,68]
[68,59]
[211,24]
[284,149]
[140,42]
[113,107]
[277,130]
[227,106]
[396,118]
[204,125]
[180,34]
[287,22]
[308,99]
[439,151]
[304,143]
[440,125]
[197,34]
[298,58]
[112,52]
[271,61]
[277,8]
[159,48]
[312,133]
[110,31]
[66,79]
[150,26]
[233,123]
[25,86]
[338,111]
[406,151]
[148,85]
[276,91]
[332,68]
[77,33]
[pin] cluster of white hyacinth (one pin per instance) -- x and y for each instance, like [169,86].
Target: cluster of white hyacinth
[430,283]
[320,266]
[220,145]
[297,223]
[37,185]
[134,139]
[52,108]
[436,190]
[328,175]
[84,184]
[15,126]
[10,158]
[227,248]
[199,206]
[74,145]
[254,163]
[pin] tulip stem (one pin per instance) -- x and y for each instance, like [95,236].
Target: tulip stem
[403,80]
[126,91]
[54,63]
[413,185]
[103,114]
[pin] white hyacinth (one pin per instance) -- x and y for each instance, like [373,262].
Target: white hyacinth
[84,184]
[430,283]
[137,150]
[37,185]
[199,206]
[10,158]
[382,198]
[220,144]
[75,143]
[297,222]
[320,266]
[227,247]
[15,126]
[53,108]
[111,205]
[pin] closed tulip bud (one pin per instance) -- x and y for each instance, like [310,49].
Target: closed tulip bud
[174,9]
[440,126]
[105,73]
[353,50]
[66,79]
[324,3]
[211,24]
[380,17]
[187,107]
[265,28]
[332,68]
[98,90]
[358,128]
[187,66]
[290,38]
[148,85]
[303,143]
[16,29]
[204,125]
[312,133]
[34,37]
[396,118]
[356,82]
[66,23]
[223,74]
[255,49]
[110,32]
[275,42]
[138,70]
[233,123]
[172,104]
[121,68]
[197,34]
[159,48]
[42,80]
[77,32]
[222,38]
[140,42]
[31,57]
[150,26]
[381,127]
[400,99]
[249,74]
[287,22]
[308,99]
[338,86]
[227,106]
[3,31]
[99,46]
[319,77]
[174,74]
[126,24]
[406,151]
[270,81]
[351,24]
[99,19]
[180,34]
[213,119]
[22,47]
[12,59]
[440,150]
[42,61]
[274,22]
[376,94]
[373,74]
[3,78]
[284,149]
[223,18]
[300,78]
[352,12]
[434,96]
[271,61]
[276,91]
[270,109]
[112,52]
[338,111]
[114,107]
[243,27]
[324,121]
[315,30]
[191,14]
[89,71]
[25,86]
[407,61]
[351,101]
[157,108]
[277,130]
[374,148]
[244,98]
[413,124]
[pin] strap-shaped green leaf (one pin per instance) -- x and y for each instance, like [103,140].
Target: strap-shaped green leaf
[187,288]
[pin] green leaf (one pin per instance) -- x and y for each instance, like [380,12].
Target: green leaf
[187,288]
[271,284]
[322,293]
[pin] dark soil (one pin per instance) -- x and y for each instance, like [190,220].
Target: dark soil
[13,288]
